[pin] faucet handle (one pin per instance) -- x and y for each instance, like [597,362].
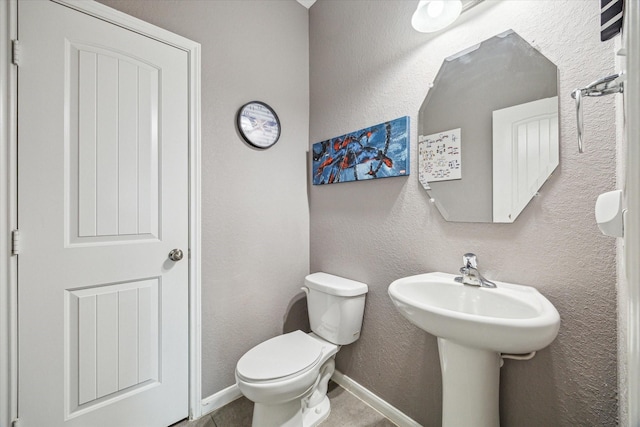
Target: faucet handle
[470,260]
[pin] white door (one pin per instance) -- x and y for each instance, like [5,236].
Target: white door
[103,199]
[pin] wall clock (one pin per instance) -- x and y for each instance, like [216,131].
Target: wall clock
[258,124]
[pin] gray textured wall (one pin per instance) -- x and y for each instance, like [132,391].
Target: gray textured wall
[367,66]
[255,221]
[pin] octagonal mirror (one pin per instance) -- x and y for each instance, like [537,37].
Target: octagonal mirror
[488,130]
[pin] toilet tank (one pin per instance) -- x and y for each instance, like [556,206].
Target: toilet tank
[336,307]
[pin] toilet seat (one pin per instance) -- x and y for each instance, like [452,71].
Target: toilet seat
[277,358]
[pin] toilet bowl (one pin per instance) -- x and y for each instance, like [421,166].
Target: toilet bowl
[287,369]
[286,376]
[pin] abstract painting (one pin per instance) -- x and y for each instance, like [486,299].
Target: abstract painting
[379,151]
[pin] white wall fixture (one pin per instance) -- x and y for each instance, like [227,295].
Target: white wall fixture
[609,213]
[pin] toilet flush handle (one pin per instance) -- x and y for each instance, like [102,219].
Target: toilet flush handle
[305,289]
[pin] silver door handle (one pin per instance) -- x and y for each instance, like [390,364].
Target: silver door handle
[176,255]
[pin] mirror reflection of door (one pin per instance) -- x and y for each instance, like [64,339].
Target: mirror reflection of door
[499,73]
[525,152]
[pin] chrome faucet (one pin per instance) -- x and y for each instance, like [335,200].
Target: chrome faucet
[471,275]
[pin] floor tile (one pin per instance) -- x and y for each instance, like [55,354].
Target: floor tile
[236,414]
[348,410]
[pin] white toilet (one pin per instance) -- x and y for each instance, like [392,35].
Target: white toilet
[286,377]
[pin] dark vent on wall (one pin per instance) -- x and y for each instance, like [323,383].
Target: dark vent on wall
[611,12]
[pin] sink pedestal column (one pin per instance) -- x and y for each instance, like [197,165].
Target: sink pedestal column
[470,385]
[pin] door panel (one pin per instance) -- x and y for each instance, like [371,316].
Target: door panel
[114,332]
[120,197]
[103,198]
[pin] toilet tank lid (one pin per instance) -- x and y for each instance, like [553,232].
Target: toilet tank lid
[334,285]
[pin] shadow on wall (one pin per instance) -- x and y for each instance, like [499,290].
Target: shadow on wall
[296,317]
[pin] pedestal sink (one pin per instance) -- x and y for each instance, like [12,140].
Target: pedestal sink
[475,327]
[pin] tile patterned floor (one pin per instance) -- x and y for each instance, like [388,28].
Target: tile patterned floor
[346,411]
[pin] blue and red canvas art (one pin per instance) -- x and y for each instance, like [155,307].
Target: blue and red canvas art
[379,151]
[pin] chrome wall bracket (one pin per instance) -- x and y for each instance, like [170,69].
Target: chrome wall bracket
[605,86]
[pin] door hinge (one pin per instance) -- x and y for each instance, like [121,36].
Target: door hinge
[16,52]
[15,242]
[16,423]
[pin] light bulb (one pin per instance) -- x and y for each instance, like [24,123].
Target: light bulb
[434,15]
[435,8]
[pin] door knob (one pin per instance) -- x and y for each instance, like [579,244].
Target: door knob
[176,255]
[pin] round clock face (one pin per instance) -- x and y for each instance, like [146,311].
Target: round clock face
[258,124]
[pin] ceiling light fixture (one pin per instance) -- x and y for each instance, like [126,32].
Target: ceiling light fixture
[434,15]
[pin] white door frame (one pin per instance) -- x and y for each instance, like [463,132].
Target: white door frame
[8,196]
[632,224]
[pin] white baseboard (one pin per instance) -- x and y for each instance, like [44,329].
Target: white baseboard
[219,399]
[386,409]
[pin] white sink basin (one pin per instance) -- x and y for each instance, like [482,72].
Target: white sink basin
[507,319]
[476,327]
